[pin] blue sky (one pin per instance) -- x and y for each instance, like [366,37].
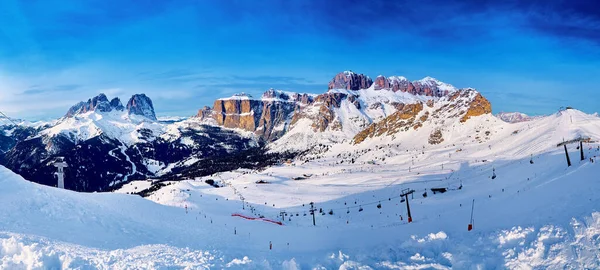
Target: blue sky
[528,56]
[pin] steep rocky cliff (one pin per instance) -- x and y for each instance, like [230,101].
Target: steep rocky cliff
[350,81]
[268,117]
[98,103]
[140,104]
[427,86]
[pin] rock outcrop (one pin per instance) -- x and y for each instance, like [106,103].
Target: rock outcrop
[402,120]
[327,103]
[240,111]
[204,113]
[350,81]
[140,104]
[98,103]
[268,117]
[425,87]
[478,106]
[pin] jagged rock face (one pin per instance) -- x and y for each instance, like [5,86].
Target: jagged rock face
[402,120]
[393,83]
[304,99]
[140,104]
[381,82]
[268,117]
[274,121]
[116,104]
[478,106]
[98,103]
[326,116]
[426,87]
[204,113]
[350,81]
[238,113]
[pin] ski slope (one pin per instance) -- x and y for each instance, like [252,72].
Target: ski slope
[541,215]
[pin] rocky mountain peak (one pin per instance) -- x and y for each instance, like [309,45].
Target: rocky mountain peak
[427,86]
[275,94]
[140,104]
[514,117]
[350,81]
[433,87]
[116,104]
[98,103]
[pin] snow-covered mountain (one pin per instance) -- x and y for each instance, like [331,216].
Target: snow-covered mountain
[515,117]
[352,103]
[113,144]
[138,104]
[527,208]
[120,143]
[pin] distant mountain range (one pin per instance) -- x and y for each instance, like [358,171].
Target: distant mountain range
[107,143]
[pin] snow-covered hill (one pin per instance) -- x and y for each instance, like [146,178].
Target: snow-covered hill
[536,213]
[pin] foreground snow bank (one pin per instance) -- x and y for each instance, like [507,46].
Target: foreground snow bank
[546,247]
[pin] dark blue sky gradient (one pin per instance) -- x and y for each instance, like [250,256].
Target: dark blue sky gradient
[529,56]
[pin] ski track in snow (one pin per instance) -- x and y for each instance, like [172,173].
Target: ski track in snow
[123,148]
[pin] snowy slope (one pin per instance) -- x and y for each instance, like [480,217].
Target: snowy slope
[540,215]
[115,124]
[361,108]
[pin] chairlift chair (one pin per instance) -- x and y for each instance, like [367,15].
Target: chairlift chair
[531,160]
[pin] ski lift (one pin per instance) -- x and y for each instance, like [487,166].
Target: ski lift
[425,194]
[402,200]
[360,209]
[379,206]
[493,173]
[304,214]
[348,212]
[531,159]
